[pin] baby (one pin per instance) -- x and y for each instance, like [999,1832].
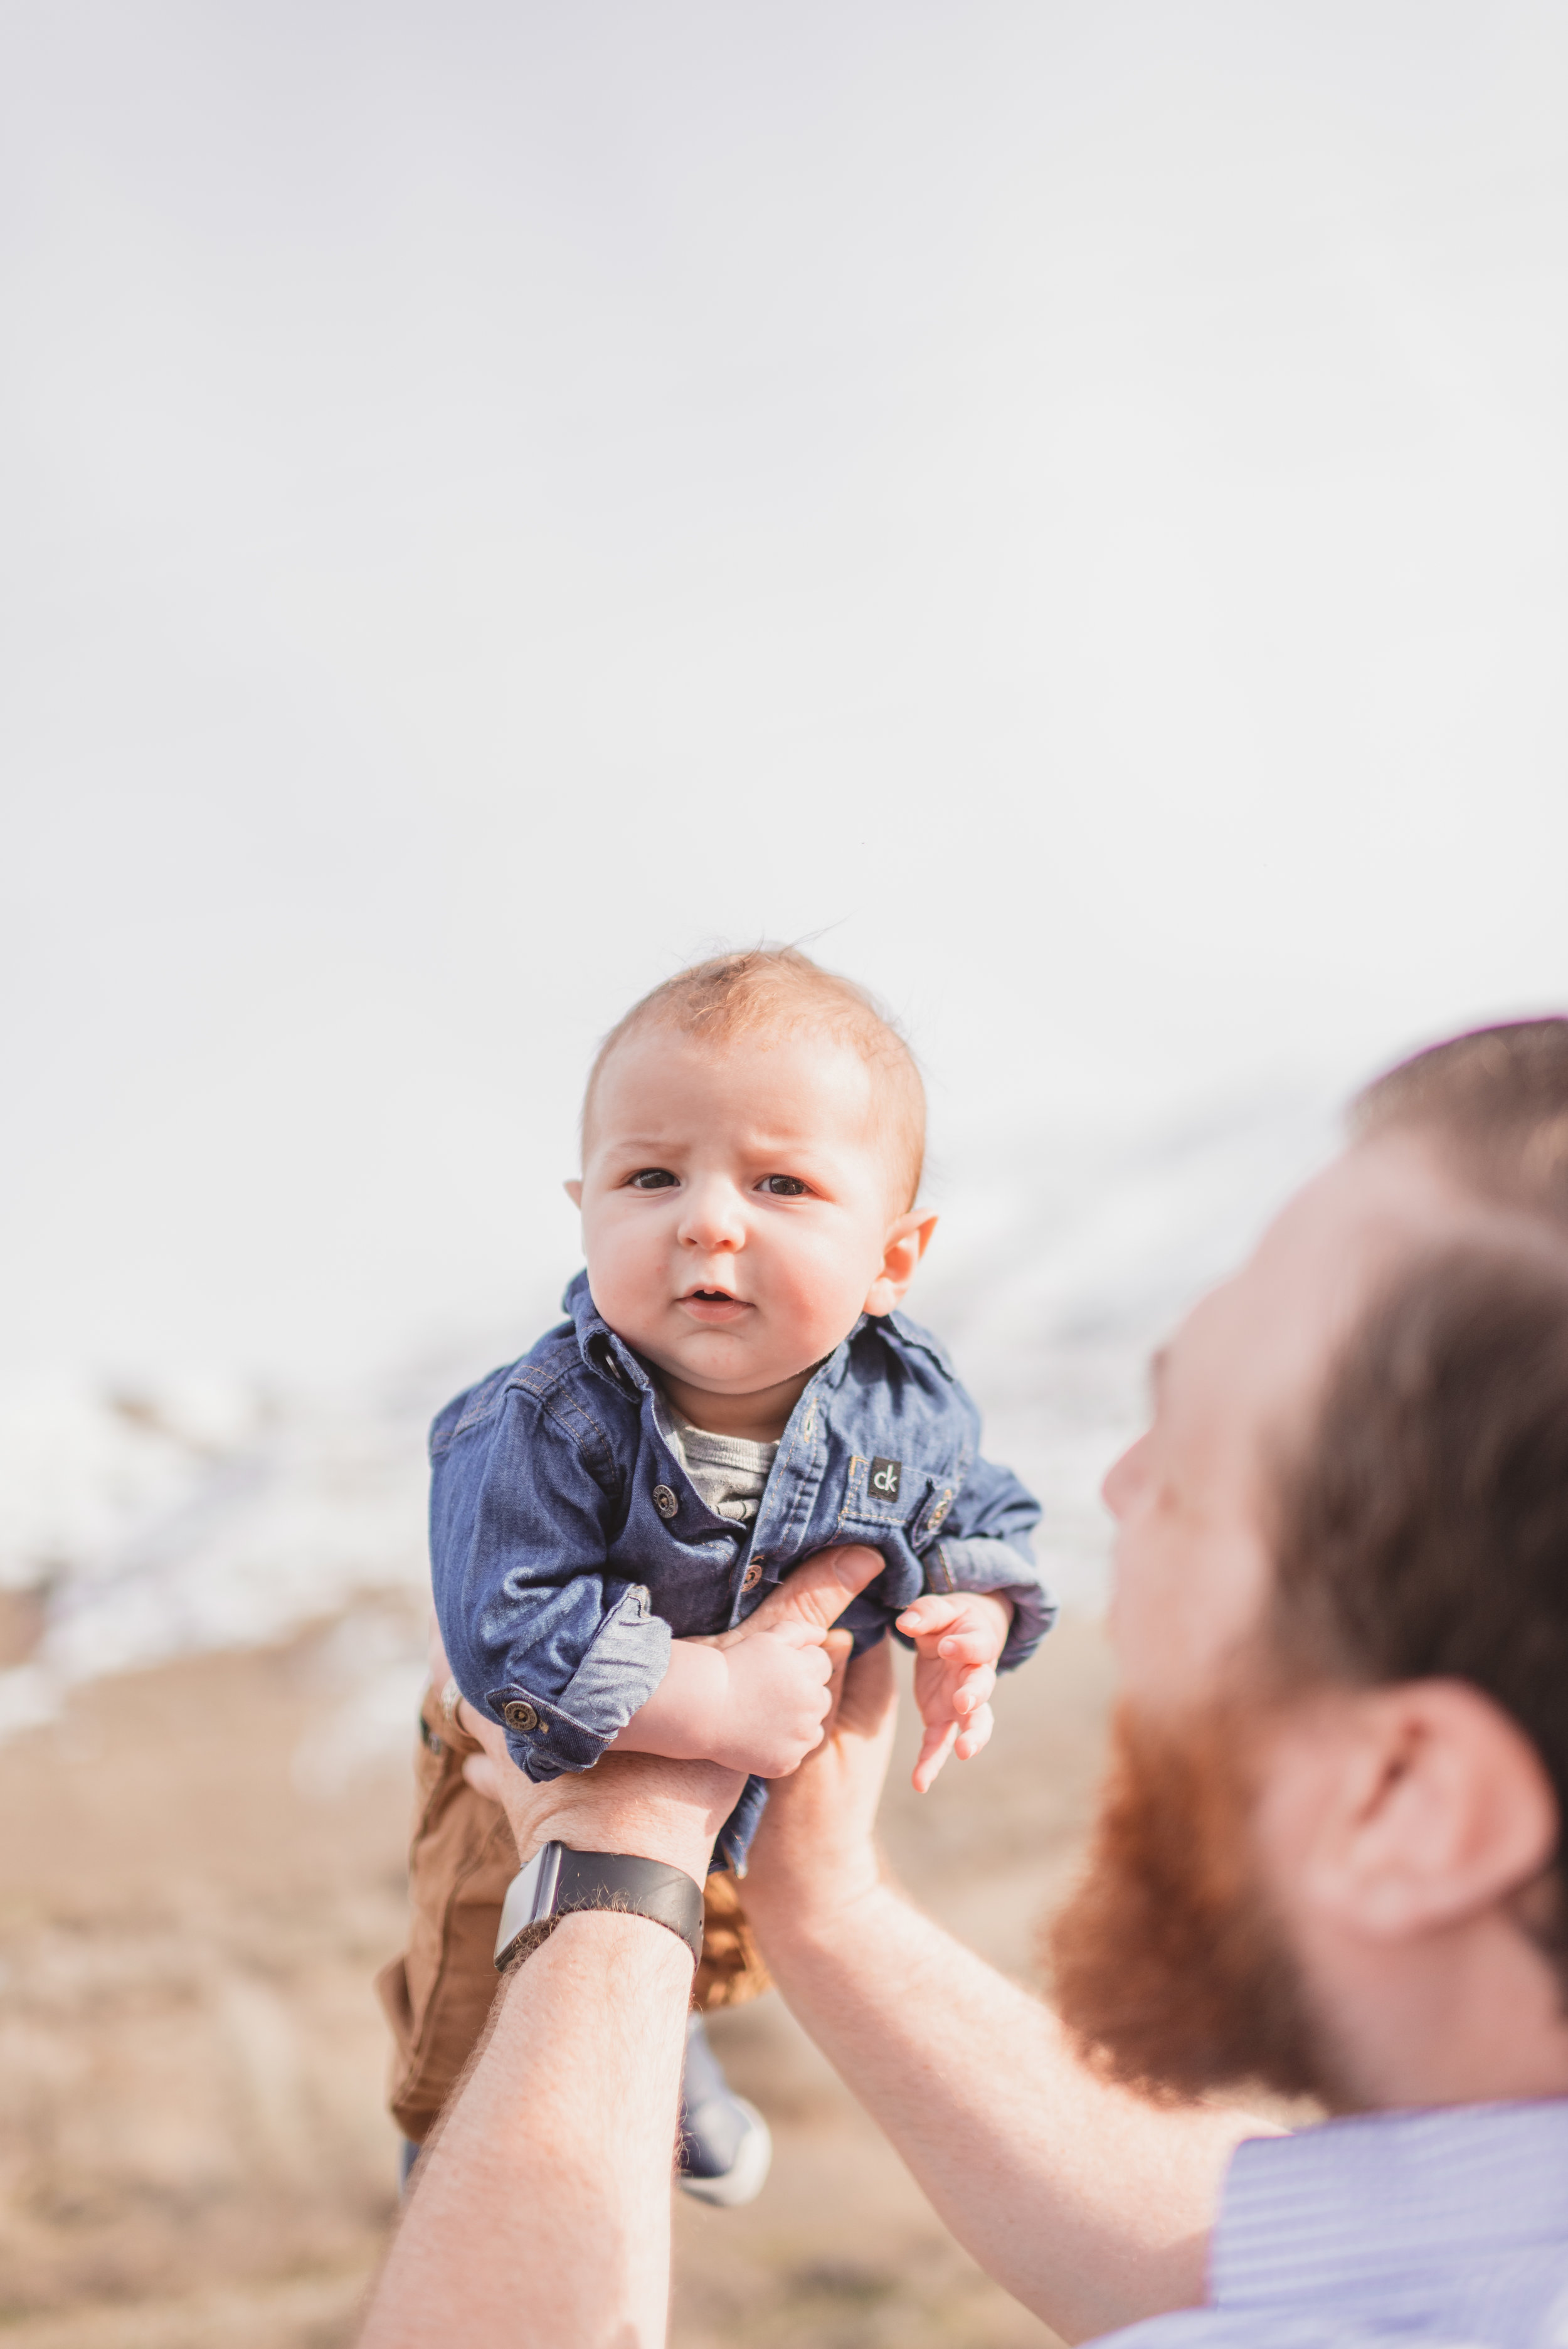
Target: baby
[733,1391]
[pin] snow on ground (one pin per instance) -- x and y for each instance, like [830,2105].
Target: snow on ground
[171,1519]
[170,1516]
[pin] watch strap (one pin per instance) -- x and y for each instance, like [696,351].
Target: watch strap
[559,1881]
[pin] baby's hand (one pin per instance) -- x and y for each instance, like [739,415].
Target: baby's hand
[756,1697]
[958,1636]
[775,1702]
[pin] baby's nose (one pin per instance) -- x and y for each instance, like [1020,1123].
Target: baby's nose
[713,1217]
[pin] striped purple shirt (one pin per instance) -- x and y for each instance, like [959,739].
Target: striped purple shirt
[1448,2227]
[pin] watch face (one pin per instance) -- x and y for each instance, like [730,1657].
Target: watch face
[530,1895]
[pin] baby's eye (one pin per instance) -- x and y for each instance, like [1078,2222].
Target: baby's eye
[783,1186]
[653,1178]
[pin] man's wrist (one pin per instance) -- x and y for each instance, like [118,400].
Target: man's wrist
[816,1937]
[644,1831]
[643,1806]
[560,1880]
[815,1904]
[673,1842]
[619,1932]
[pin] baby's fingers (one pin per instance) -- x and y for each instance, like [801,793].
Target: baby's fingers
[935,1749]
[972,1689]
[974,1734]
[969,1643]
[928,1615]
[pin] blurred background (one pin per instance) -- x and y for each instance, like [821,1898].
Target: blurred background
[1059,508]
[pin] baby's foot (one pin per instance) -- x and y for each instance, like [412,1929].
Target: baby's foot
[724,2150]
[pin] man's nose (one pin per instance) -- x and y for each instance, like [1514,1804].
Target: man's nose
[712,1216]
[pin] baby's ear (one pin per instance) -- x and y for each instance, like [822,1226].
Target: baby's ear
[574,1190]
[906,1243]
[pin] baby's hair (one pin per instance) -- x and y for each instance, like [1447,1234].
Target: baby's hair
[767,991]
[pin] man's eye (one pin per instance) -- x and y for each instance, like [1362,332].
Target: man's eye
[783,1186]
[653,1178]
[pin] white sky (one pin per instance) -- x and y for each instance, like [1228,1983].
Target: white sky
[1068,499]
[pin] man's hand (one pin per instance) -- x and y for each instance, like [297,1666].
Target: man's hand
[638,1803]
[958,1636]
[817,1592]
[815,1855]
[642,1801]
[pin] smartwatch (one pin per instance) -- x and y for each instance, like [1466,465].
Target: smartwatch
[558,1881]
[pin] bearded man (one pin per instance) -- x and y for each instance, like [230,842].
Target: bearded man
[1328,1859]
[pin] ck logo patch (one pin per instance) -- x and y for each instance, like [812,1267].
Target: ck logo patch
[884,1478]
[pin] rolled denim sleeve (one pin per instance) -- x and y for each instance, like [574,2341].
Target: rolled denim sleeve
[524,1495]
[984,1544]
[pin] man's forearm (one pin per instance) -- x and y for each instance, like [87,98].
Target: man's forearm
[1089,2206]
[541,2211]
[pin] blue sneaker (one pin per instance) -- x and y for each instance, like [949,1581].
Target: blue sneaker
[726,2150]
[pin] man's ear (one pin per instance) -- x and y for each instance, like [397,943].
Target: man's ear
[906,1243]
[574,1190]
[1436,1807]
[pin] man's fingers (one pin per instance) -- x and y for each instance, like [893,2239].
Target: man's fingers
[869,1694]
[487,1733]
[837,1647]
[818,1591]
[483,1775]
[935,1747]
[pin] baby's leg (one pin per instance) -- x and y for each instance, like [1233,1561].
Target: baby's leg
[725,2148]
[731,1969]
[437,1995]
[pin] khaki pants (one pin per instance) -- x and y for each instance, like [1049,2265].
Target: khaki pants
[437,1994]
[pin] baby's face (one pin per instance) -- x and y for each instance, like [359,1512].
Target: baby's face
[738,1212]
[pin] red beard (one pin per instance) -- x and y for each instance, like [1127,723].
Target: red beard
[1170,1969]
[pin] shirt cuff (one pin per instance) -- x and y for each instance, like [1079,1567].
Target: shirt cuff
[625,1661]
[982,1563]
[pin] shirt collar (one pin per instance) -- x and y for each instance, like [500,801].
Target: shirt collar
[598,1344]
[1381,2205]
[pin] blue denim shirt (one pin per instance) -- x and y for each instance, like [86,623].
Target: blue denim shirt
[569,1547]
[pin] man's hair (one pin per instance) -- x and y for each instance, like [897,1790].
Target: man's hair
[1494,1106]
[767,991]
[1423,1526]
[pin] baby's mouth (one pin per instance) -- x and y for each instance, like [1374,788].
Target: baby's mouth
[714,1304]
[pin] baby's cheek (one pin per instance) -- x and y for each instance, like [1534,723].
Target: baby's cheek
[818,1308]
[622,1280]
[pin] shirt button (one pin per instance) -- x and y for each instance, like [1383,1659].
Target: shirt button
[752,1577]
[664,1501]
[519,1715]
